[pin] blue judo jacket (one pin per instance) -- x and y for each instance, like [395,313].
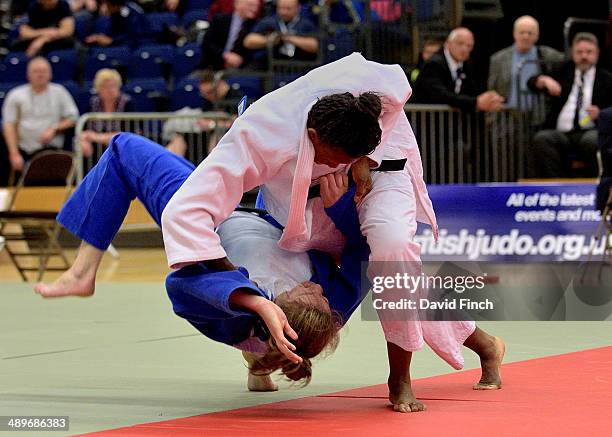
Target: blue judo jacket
[201,295]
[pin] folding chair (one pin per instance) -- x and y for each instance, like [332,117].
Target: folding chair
[37,229]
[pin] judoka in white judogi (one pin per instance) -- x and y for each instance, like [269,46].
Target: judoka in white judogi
[268,146]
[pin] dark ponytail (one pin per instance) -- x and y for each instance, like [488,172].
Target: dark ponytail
[347,122]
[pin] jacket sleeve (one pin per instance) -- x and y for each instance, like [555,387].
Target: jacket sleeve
[431,89]
[343,285]
[494,79]
[198,290]
[246,157]
[556,72]
[211,52]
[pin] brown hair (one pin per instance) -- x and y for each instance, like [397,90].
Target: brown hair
[205,76]
[585,36]
[317,332]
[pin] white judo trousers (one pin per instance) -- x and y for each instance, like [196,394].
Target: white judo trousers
[268,147]
[388,221]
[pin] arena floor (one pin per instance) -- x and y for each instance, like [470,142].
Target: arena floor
[121,359]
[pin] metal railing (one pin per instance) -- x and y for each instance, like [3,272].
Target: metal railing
[200,131]
[470,147]
[456,146]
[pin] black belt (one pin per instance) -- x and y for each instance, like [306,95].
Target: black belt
[260,212]
[385,165]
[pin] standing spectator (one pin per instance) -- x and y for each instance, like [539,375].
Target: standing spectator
[579,90]
[34,115]
[223,43]
[50,26]
[125,25]
[448,77]
[289,34]
[109,99]
[504,65]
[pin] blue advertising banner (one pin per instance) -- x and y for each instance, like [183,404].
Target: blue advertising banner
[512,222]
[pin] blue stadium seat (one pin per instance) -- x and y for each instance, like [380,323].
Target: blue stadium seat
[282,79]
[197,4]
[150,61]
[13,68]
[194,15]
[186,94]
[80,96]
[251,86]
[83,26]
[339,45]
[158,21]
[64,64]
[13,34]
[186,59]
[106,57]
[88,89]
[148,95]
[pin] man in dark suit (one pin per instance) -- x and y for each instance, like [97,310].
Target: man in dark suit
[448,77]
[222,46]
[579,90]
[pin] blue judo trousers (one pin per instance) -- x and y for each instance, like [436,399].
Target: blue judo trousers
[135,167]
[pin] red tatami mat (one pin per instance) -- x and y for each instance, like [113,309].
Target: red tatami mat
[562,395]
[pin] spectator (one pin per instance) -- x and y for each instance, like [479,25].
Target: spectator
[448,77]
[214,89]
[504,65]
[288,33]
[579,90]
[35,114]
[50,26]
[222,46]
[430,48]
[109,99]
[217,95]
[125,25]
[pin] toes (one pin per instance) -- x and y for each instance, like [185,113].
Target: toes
[487,386]
[402,408]
[411,407]
[417,406]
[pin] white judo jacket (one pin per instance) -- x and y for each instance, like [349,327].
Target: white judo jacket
[268,146]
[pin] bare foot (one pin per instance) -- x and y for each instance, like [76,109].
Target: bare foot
[261,383]
[490,362]
[402,397]
[68,284]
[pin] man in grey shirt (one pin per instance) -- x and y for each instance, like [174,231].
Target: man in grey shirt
[34,115]
[504,65]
